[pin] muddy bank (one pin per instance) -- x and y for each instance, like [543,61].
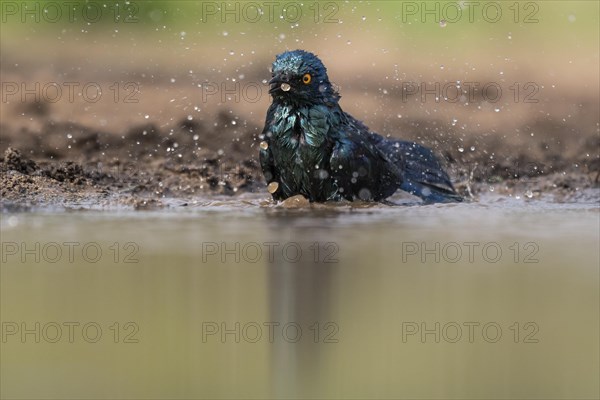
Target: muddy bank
[71,165]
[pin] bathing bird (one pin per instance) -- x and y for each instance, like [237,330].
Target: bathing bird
[311,147]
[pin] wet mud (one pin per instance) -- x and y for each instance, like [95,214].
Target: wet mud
[70,165]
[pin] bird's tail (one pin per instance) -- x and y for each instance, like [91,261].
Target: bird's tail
[424,175]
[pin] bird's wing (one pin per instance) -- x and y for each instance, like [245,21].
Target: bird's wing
[359,132]
[422,165]
[423,173]
[414,168]
[358,164]
[417,163]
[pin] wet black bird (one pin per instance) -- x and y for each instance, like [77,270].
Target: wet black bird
[310,146]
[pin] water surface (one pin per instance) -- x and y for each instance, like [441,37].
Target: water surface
[228,298]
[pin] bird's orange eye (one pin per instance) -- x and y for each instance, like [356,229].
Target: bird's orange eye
[306,79]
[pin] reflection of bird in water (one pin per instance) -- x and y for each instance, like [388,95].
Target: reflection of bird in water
[303,287]
[313,148]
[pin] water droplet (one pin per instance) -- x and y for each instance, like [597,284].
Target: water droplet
[13,221]
[443,23]
[364,18]
[496,109]
[264,145]
[272,187]
[285,87]
[460,149]
[472,148]
[364,194]
[529,194]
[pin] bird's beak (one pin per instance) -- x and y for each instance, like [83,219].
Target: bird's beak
[276,83]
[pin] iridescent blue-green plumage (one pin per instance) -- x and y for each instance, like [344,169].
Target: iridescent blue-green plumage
[313,148]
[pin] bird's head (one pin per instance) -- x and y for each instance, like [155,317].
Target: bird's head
[299,77]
